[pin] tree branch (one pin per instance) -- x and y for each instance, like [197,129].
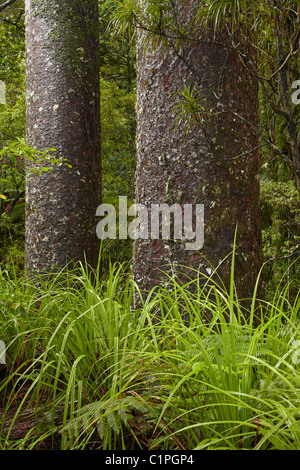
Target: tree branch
[276,258]
[15,24]
[7,4]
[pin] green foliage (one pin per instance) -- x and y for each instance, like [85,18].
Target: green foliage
[16,153]
[12,128]
[118,122]
[86,365]
[118,134]
[193,107]
[12,73]
[118,157]
[281,222]
[12,192]
[102,375]
[117,52]
[83,354]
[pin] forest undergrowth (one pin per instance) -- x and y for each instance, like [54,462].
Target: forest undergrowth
[188,368]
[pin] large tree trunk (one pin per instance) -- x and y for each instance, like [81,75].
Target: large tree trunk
[63,100]
[202,167]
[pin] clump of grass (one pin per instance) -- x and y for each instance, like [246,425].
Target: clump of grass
[231,382]
[101,374]
[74,342]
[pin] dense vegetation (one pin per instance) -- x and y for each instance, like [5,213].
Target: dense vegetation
[87,370]
[92,373]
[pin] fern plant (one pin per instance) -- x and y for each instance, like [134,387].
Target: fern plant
[112,417]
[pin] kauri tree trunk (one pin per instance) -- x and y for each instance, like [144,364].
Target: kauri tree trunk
[63,100]
[215,165]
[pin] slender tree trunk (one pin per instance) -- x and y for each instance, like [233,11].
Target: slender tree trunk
[216,165]
[62,40]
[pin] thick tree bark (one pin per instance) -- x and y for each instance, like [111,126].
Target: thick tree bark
[62,40]
[202,167]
